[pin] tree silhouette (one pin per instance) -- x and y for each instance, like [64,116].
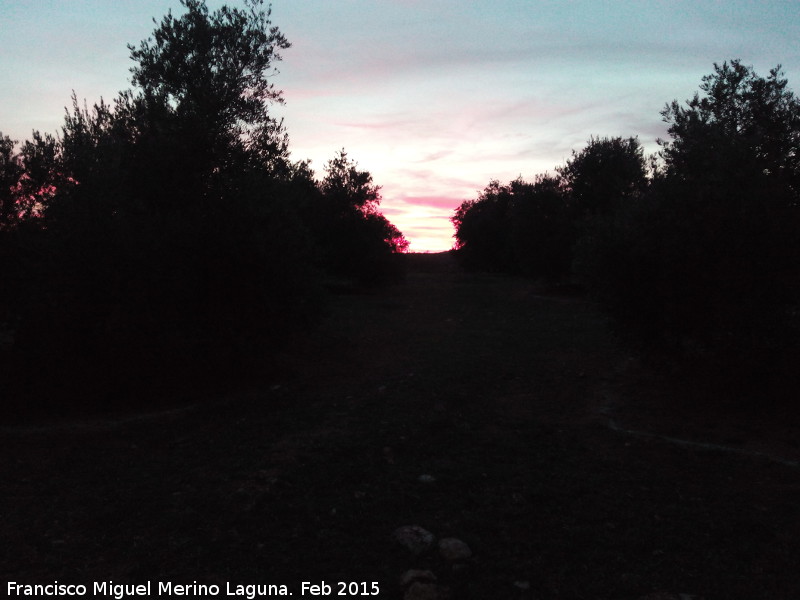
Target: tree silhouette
[606,172]
[708,262]
[167,250]
[213,71]
[353,239]
[168,240]
[11,170]
[483,229]
[531,228]
[743,128]
[346,188]
[543,228]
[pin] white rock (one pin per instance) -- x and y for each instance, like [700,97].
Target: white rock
[523,585]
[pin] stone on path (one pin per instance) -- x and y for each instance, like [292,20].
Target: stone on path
[454,550]
[413,538]
[413,575]
[427,591]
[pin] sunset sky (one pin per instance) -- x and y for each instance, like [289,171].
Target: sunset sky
[434,97]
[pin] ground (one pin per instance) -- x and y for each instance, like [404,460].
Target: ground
[570,468]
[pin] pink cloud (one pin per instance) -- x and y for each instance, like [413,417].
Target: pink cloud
[435,155]
[374,125]
[424,220]
[438,202]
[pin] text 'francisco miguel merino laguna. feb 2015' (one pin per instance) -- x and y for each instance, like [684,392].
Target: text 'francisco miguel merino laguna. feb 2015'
[167,588]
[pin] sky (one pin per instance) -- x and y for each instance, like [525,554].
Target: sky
[435,98]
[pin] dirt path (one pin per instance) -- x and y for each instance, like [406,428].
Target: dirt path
[499,393]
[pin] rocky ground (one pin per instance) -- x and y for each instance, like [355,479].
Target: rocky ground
[461,436]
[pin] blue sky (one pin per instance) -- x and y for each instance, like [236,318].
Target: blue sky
[434,97]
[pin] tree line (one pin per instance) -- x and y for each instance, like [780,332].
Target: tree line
[694,251]
[167,236]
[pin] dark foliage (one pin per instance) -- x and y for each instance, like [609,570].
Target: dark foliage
[532,228]
[708,263]
[164,238]
[606,174]
[353,240]
[11,170]
[521,228]
[483,230]
[702,257]
[543,228]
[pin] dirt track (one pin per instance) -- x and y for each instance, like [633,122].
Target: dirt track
[499,390]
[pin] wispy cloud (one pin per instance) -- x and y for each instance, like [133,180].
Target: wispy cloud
[434,98]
